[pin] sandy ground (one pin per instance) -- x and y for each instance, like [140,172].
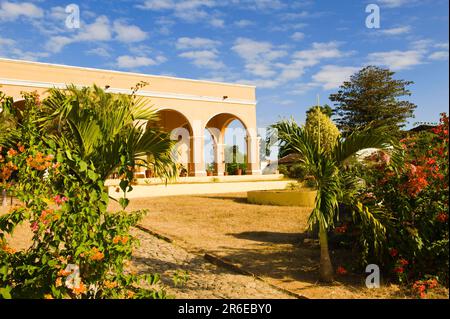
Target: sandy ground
[265,240]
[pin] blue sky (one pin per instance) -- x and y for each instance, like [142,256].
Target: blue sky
[291,50]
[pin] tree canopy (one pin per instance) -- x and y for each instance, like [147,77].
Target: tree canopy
[372,97]
[321,128]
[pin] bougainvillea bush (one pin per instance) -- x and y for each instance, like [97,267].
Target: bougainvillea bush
[411,190]
[79,249]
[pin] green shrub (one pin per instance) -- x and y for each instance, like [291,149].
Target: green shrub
[78,250]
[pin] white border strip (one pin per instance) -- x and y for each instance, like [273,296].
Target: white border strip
[165,95]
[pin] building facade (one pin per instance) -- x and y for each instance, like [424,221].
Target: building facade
[185,107]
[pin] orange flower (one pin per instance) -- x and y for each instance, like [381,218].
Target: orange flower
[81,289]
[7,249]
[11,152]
[58,282]
[96,255]
[63,273]
[121,239]
[48,296]
[110,284]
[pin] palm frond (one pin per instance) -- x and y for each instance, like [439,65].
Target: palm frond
[359,140]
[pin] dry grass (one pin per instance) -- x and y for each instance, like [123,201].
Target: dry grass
[266,240]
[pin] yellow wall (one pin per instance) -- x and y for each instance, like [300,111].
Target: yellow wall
[198,101]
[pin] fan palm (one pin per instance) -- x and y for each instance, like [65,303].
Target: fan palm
[106,129]
[334,180]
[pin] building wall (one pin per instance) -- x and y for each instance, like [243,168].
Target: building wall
[198,101]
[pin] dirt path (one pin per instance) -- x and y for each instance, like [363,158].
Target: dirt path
[205,281]
[267,241]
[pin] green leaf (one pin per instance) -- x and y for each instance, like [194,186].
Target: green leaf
[124,202]
[92,175]
[83,166]
[5,292]
[123,185]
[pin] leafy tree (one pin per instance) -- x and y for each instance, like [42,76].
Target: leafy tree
[372,96]
[321,128]
[326,109]
[336,183]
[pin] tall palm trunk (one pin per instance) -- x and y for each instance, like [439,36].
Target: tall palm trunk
[326,269]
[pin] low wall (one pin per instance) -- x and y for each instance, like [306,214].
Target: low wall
[203,179]
[197,188]
[283,197]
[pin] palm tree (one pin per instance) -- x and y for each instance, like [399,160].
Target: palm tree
[107,129]
[336,183]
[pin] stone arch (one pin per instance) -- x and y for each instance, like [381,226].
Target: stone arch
[217,125]
[180,129]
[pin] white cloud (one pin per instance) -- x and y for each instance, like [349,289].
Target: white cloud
[322,50]
[442,45]
[393,3]
[56,43]
[58,13]
[11,11]
[188,10]
[101,52]
[260,56]
[266,4]
[204,59]
[128,33]
[196,43]
[132,62]
[332,76]
[396,31]
[10,48]
[243,23]
[298,36]
[216,22]
[423,44]
[100,30]
[157,5]
[4,42]
[396,60]
[262,60]
[302,88]
[439,56]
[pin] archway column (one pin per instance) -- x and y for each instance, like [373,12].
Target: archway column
[219,156]
[198,139]
[253,166]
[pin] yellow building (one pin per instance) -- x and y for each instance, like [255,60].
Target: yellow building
[186,107]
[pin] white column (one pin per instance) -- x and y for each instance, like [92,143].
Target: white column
[253,166]
[198,140]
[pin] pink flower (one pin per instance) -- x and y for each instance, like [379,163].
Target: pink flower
[60,200]
[341,270]
[393,252]
[385,158]
[34,227]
